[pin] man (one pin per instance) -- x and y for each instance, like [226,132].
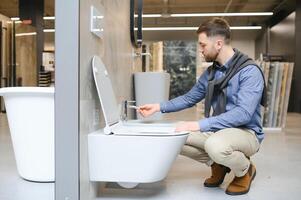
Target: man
[234,87]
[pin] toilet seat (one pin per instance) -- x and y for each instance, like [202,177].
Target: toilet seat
[145,130]
[111,113]
[147,133]
[158,134]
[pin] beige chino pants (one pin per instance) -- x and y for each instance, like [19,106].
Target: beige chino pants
[229,147]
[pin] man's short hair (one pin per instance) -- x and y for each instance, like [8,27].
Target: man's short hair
[216,27]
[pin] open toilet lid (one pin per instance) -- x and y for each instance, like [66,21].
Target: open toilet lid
[105,91]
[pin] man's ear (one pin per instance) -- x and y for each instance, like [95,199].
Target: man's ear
[219,43]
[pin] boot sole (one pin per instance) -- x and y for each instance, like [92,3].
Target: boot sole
[243,192]
[216,184]
[213,185]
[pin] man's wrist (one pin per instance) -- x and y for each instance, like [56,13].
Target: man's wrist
[158,109]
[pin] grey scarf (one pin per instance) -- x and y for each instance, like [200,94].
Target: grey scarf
[218,88]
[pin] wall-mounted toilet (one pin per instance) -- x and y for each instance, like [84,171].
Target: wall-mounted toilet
[129,152]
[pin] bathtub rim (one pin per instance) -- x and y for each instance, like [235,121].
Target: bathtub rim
[26,90]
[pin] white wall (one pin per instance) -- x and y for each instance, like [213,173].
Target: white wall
[246,46]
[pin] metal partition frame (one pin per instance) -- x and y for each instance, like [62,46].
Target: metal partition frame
[67,100]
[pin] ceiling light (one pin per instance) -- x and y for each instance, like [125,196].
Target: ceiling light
[34,33]
[25,34]
[222,14]
[195,28]
[49,30]
[15,18]
[49,18]
[245,27]
[149,15]
[210,14]
[45,18]
[169,28]
[16,22]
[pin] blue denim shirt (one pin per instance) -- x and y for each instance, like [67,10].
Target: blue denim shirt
[243,109]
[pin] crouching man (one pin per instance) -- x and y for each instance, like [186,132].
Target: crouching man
[231,131]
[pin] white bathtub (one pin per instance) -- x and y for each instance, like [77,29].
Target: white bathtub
[30,113]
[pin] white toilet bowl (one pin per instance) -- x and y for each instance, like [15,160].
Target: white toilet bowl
[134,157]
[129,152]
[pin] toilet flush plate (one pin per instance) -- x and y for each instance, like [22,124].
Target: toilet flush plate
[105,91]
[97,21]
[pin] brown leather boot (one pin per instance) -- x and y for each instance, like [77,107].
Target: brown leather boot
[218,173]
[241,185]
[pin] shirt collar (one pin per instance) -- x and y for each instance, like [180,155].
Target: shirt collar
[226,65]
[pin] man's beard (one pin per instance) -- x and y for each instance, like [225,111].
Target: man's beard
[210,58]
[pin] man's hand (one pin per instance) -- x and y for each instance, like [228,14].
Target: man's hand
[148,109]
[188,126]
